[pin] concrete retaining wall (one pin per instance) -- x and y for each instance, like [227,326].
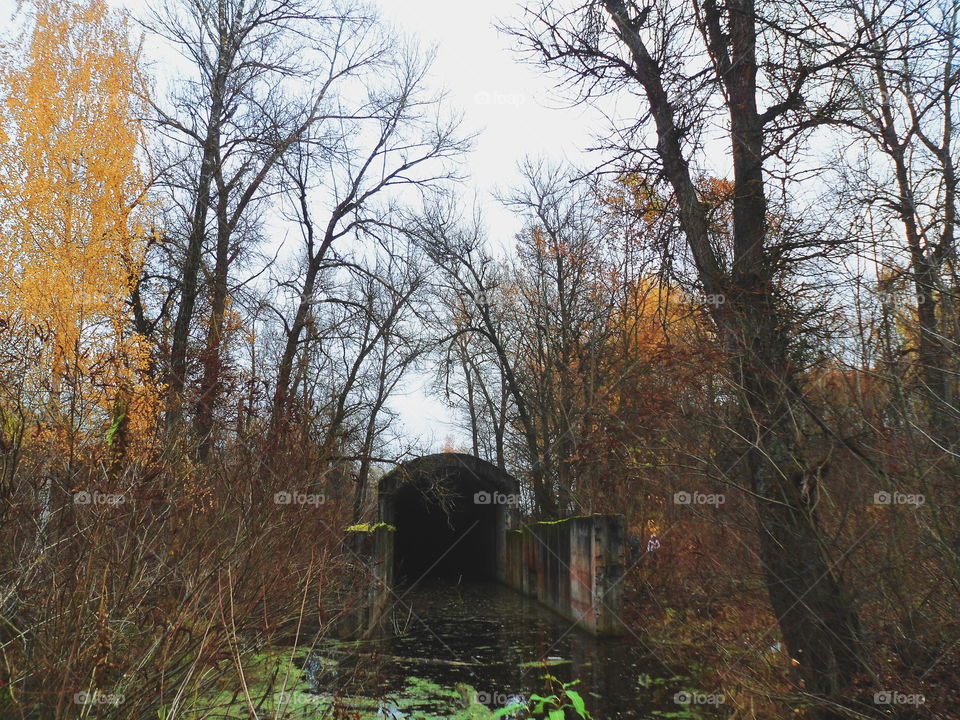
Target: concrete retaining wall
[371,550]
[574,566]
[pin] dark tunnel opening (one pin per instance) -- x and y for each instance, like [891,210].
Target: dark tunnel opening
[449,514]
[433,542]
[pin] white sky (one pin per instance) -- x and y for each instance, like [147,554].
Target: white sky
[508,103]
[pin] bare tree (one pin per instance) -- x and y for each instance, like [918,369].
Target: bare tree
[570,314]
[467,283]
[904,97]
[471,382]
[262,73]
[691,65]
[563,308]
[394,143]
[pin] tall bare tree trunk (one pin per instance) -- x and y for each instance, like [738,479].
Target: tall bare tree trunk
[818,623]
[212,354]
[189,285]
[193,258]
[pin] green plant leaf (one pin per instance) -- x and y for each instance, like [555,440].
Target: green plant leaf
[577,701]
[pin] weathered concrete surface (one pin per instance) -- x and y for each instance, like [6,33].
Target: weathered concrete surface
[451,512]
[574,566]
[371,552]
[455,514]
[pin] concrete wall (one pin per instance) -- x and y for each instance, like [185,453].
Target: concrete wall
[507,518]
[370,548]
[574,566]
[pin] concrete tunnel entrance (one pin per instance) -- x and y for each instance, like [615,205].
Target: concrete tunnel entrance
[451,512]
[454,515]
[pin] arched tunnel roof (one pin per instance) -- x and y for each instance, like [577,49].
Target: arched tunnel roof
[427,471]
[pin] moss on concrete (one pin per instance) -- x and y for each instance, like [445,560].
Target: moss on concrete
[547,523]
[371,527]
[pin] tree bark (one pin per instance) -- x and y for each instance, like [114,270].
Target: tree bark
[819,625]
[211,359]
[189,284]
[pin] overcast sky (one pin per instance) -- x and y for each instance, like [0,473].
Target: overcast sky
[508,103]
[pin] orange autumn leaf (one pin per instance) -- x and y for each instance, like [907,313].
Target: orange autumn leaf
[71,209]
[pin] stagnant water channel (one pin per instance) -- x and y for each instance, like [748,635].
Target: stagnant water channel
[482,640]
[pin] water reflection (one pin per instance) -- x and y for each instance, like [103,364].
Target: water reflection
[489,638]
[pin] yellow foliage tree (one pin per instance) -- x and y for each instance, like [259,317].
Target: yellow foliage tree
[71,204]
